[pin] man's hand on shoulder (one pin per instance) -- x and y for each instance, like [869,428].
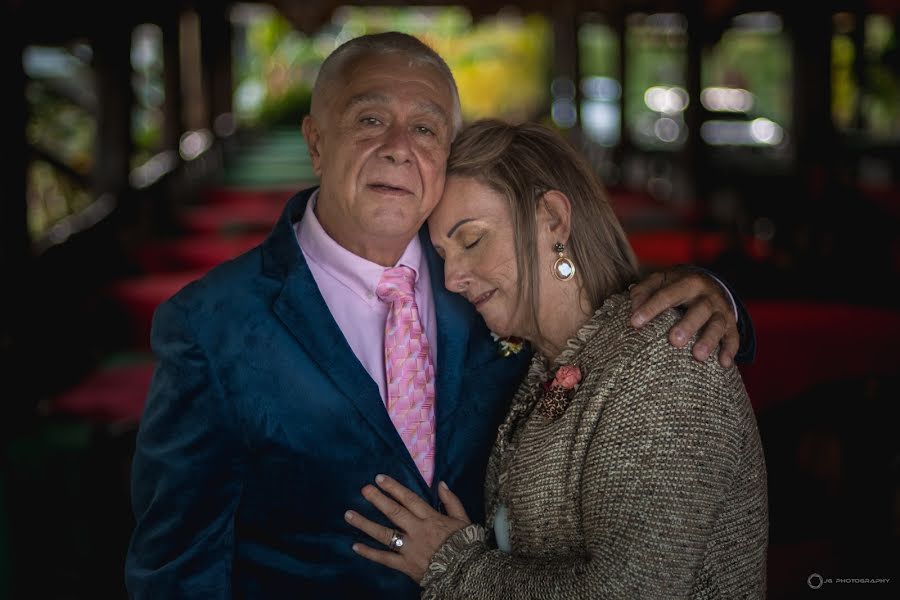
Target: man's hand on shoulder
[707,306]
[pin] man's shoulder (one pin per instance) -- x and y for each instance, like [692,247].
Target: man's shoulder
[223,285]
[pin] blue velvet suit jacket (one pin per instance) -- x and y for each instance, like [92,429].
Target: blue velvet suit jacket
[261,427]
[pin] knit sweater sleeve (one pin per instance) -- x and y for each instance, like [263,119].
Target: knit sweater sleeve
[659,464]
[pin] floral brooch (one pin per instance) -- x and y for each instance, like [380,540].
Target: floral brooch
[559,391]
[508,346]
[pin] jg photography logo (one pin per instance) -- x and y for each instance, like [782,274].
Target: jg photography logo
[816,581]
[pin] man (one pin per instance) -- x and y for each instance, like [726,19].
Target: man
[275,396]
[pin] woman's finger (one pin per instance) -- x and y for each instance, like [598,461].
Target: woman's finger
[384,557]
[395,512]
[377,532]
[406,497]
[452,503]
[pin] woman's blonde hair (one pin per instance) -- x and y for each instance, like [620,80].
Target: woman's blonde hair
[523,162]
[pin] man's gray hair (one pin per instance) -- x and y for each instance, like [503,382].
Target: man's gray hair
[390,42]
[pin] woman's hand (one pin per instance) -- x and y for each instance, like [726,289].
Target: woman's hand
[422,529]
[709,310]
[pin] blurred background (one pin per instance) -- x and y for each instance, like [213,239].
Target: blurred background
[146,142]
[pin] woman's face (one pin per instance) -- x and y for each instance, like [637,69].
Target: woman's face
[472,230]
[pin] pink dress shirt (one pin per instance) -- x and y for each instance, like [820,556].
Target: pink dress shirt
[347,282]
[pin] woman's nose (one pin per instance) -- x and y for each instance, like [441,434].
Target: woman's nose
[456,278]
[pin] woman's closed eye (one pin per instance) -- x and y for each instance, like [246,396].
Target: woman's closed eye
[473,244]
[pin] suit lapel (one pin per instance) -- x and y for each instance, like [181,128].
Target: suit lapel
[454,321]
[303,310]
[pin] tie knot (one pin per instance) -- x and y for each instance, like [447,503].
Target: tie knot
[396,284]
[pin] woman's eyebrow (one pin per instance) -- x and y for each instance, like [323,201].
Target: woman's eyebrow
[458,225]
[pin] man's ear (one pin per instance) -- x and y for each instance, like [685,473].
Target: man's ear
[555,217]
[313,137]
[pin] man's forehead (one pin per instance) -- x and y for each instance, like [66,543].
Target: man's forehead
[380,78]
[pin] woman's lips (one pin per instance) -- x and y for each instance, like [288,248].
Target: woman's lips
[478,301]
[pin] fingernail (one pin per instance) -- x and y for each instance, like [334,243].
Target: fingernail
[631,286]
[355,548]
[679,337]
[379,479]
[443,486]
[637,320]
[348,515]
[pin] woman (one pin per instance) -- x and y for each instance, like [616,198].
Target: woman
[624,468]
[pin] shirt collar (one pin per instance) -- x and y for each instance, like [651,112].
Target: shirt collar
[359,275]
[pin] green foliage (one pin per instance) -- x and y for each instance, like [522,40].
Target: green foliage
[759,62]
[501,64]
[598,50]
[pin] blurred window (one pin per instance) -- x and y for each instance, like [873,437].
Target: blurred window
[865,87]
[601,88]
[61,132]
[149,93]
[655,94]
[746,84]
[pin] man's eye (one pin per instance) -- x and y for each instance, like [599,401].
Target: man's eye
[424,130]
[473,244]
[369,121]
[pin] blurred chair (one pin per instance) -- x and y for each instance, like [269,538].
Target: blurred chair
[824,385]
[112,394]
[194,253]
[805,343]
[135,300]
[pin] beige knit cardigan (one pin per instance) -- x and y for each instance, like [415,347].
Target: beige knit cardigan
[652,483]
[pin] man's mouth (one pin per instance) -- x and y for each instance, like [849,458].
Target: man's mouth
[391,190]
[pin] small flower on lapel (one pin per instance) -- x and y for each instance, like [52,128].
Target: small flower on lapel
[508,346]
[558,392]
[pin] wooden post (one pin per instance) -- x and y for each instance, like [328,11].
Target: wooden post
[695,155]
[566,70]
[173,104]
[811,30]
[195,106]
[15,244]
[619,22]
[215,43]
[115,97]
[16,257]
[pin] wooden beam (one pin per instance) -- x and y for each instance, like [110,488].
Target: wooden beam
[173,102]
[215,50]
[115,98]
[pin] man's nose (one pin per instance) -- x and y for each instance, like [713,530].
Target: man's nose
[397,144]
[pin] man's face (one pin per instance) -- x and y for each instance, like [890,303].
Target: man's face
[379,145]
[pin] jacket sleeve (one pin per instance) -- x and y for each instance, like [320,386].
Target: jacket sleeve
[747,350]
[658,468]
[185,473]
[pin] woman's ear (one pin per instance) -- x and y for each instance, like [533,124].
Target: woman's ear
[555,217]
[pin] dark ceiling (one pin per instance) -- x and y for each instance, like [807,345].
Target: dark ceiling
[60,21]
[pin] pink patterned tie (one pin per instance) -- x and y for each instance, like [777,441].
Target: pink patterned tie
[410,374]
